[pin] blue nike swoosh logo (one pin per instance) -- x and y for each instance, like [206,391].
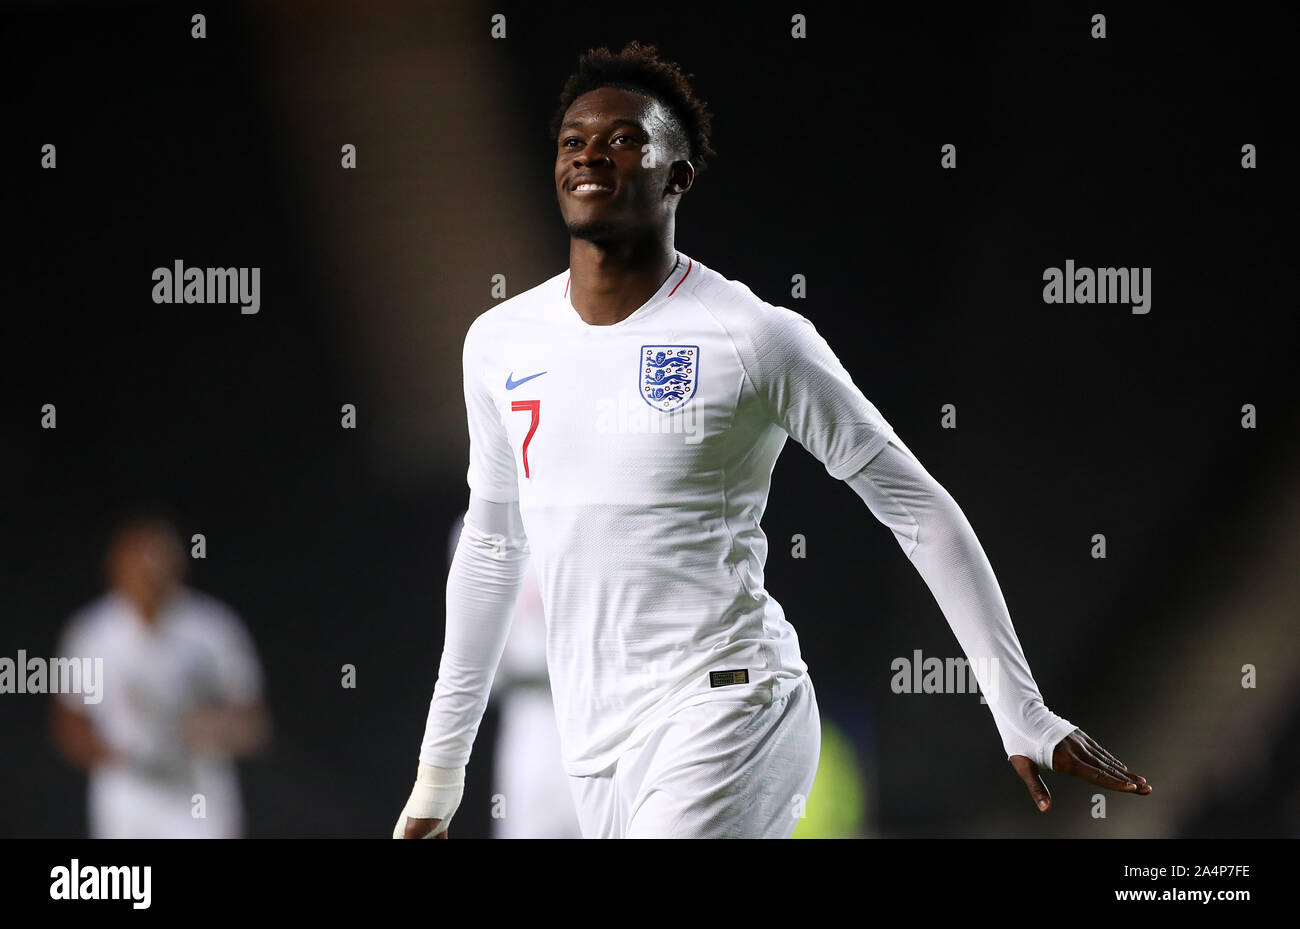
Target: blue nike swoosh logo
[511,383]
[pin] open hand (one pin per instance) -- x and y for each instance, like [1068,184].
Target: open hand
[1080,755]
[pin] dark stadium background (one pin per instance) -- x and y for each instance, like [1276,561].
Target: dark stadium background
[330,543]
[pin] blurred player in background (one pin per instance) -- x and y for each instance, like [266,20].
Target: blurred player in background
[182,696]
[528,772]
[684,705]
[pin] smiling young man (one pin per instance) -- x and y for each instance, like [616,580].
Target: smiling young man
[684,706]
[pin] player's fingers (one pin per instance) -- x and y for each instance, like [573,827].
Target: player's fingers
[419,828]
[1101,750]
[1090,772]
[1137,780]
[1028,772]
[1123,775]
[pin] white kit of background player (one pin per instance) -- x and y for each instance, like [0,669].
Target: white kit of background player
[197,652]
[683,704]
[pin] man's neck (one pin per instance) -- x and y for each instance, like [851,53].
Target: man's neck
[149,608]
[609,283]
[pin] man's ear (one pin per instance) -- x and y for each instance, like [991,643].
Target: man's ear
[681,175]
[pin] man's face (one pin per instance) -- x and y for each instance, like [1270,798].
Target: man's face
[600,145]
[146,564]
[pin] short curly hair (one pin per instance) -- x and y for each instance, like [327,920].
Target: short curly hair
[639,68]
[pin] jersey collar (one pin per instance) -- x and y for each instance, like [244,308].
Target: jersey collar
[684,269]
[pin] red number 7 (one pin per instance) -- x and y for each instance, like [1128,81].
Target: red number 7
[534,407]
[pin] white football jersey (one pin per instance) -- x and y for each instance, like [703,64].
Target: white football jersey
[196,652]
[641,455]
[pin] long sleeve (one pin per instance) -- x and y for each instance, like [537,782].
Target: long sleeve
[808,392]
[939,541]
[485,576]
[483,584]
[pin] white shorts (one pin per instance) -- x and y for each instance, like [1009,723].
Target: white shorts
[719,769]
[126,805]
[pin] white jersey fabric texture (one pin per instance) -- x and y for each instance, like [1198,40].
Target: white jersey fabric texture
[196,652]
[633,463]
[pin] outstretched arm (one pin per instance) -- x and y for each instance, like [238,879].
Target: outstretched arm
[939,541]
[805,389]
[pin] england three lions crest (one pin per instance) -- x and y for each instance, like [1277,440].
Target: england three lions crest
[669,374]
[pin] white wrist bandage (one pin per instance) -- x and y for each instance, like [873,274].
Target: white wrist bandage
[436,795]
